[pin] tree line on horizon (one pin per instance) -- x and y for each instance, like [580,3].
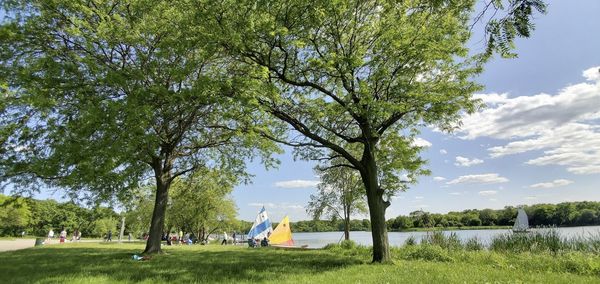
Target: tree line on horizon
[584,213]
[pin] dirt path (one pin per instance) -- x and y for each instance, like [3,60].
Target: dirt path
[16,244]
[6,245]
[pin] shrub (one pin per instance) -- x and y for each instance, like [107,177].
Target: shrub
[429,253]
[473,244]
[348,244]
[410,241]
[438,238]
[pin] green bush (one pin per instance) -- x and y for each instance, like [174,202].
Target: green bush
[348,244]
[429,253]
[410,241]
[473,244]
[438,238]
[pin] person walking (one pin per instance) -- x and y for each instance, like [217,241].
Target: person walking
[109,236]
[224,242]
[75,234]
[63,236]
[50,234]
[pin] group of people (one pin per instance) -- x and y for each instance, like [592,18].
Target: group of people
[174,238]
[63,235]
[226,238]
[254,243]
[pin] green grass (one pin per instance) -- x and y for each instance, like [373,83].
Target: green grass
[111,263]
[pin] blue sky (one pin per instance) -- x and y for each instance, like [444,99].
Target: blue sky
[537,142]
[555,150]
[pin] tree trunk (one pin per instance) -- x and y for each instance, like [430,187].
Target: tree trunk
[158,215]
[377,207]
[346,222]
[346,230]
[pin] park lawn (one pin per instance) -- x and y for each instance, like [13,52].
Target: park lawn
[111,263]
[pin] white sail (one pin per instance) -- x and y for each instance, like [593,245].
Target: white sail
[261,227]
[521,223]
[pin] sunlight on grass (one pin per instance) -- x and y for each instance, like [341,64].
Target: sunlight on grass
[112,263]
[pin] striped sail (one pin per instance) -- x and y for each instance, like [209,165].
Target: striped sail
[261,227]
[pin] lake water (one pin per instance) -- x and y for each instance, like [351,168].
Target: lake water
[318,240]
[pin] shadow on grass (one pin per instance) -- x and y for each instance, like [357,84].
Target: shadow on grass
[189,264]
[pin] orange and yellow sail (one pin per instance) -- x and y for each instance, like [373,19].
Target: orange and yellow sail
[282,235]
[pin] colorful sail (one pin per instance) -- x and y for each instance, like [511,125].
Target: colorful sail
[282,235]
[261,227]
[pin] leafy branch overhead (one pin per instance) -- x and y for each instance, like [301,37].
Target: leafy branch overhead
[107,95]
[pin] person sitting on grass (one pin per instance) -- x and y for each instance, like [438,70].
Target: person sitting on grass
[264,242]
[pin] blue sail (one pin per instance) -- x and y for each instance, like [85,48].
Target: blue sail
[261,227]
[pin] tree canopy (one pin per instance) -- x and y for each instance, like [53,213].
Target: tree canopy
[103,95]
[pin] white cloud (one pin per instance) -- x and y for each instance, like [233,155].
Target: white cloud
[592,74]
[483,178]
[443,152]
[439,178]
[297,183]
[420,142]
[565,127]
[419,197]
[466,162]
[492,99]
[552,184]
[488,192]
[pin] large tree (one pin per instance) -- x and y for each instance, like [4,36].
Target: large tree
[101,95]
[359,78]
[202,203]
[340,194]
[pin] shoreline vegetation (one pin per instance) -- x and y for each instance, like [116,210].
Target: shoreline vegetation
[538,257]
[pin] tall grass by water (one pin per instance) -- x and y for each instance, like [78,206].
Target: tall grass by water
[539,251]
[539,240]
[545,240]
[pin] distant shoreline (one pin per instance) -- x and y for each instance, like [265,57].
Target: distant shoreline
[463,228]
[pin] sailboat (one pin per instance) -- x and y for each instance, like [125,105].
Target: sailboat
[261,227]
[521,223]
[282,235]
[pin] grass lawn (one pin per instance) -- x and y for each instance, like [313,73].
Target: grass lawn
[111,263]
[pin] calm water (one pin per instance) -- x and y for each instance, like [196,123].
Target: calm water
[317,240]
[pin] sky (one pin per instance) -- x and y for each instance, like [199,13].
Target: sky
[538,141]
